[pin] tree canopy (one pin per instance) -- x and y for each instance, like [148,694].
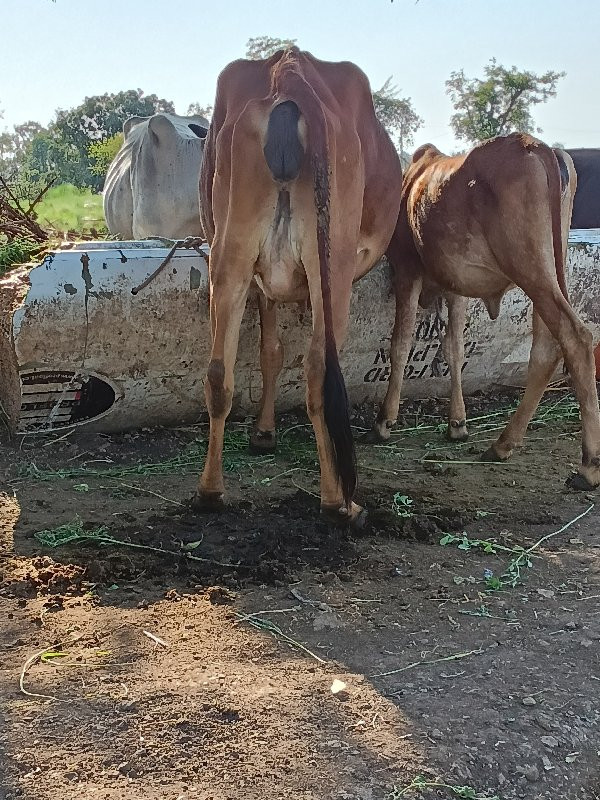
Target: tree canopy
[397,115]
[66,148]
[195,109]
[14,146]
[265,46]
[102,152]
[498,103]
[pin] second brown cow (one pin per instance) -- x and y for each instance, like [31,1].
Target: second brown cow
[475,226]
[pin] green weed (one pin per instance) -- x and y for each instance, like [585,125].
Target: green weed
[521,557]
[401,505]
[511,574]
[482,428]
[464,543]
[74,533]
[419,784]
[18,251]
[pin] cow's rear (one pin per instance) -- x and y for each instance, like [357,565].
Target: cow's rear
[283,149]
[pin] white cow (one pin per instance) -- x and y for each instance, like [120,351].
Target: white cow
[151,187]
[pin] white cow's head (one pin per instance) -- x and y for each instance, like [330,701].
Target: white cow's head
[160,163]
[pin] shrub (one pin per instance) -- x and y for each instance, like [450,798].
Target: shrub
[18,251]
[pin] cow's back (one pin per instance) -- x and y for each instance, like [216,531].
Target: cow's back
[472,217]
[343,93]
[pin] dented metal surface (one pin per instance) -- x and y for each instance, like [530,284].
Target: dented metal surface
[90,353]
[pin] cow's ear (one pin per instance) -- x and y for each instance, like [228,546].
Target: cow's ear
[161,125]
[198,130]
[131,123]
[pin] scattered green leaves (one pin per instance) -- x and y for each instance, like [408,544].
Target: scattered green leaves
[483,611]
[295,450]
[74,532]
[521,557]
[512,573]
[71,532]
[401,505]
[49,655]
[270,627]
[463,542]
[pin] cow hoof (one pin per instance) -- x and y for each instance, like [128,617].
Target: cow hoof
[339,516]
[262,442]
[379,433]
[491,456]
[457,431]
[207,502]
[372,437]
[580,482]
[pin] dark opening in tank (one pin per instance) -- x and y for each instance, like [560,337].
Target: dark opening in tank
[53,399]
[97,396]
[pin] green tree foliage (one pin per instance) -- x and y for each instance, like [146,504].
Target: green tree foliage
[498,103]
[63,149]
[195,109]
[102,116]
[14,146]
[6,150]
[102,153]
[265,46]
[397,115]
[22,137]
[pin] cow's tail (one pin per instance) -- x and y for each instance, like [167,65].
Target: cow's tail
[553,173]
[284,153]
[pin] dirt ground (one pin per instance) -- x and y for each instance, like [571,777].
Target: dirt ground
[203,669]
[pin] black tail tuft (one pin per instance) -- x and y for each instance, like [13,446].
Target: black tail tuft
[283,149]
[337,420]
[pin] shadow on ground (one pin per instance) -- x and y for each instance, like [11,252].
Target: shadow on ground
[210,677]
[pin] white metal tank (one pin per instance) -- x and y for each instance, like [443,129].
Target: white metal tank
[78,348]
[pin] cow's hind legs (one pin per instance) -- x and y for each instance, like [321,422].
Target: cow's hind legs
[263,438]
[453,346]
[578,351]
[407,292]
[327,407]
[576,344]
[543,360]
[333,507]
[227,303]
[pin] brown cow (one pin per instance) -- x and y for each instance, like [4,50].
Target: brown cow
[475,225]
[453,340]
[299,192]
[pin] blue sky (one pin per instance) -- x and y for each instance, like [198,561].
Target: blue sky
[54,54]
